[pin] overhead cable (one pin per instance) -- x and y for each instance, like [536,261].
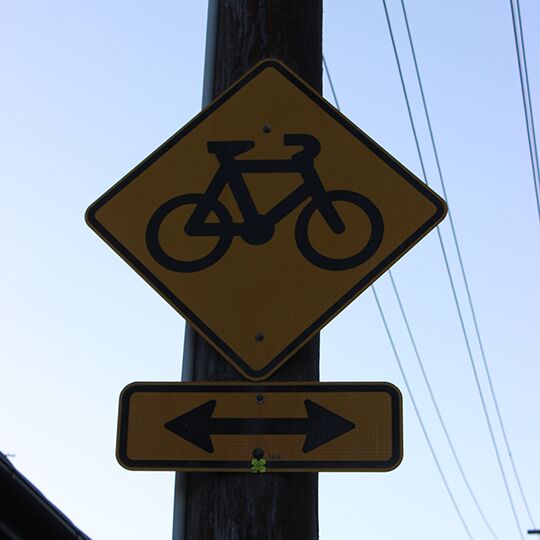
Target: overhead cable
[417,412]
[452,285]
[527,106]
[437,410]
[421,364]
[413,401]
[533,152]
[331,83]
[458,250]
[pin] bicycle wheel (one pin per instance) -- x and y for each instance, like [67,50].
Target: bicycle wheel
[345,263]
[224,235]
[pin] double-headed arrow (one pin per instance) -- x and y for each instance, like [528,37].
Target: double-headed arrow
[320,426]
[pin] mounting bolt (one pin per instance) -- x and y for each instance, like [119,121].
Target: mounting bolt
[259,399]
[259,337]
[267,128]
[258,453]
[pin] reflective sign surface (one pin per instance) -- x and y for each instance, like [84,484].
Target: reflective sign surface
[249,427]
[264,217]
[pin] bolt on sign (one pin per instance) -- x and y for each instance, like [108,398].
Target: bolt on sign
[274,427]
[264,217]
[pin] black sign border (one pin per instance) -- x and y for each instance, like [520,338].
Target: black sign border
[271,465]
[329,314]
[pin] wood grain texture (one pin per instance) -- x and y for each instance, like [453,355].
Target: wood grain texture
[259,506]
[251,30]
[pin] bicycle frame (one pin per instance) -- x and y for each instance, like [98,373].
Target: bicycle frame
[258,228]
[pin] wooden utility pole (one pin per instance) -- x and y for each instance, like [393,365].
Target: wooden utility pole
[224,506]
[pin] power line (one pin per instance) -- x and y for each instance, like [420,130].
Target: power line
[421,364]
[437,410]
[536,180]
[452,285]
[396,355]
[454,235]
[417,412]
[460,260]
[527,106]
[331,83]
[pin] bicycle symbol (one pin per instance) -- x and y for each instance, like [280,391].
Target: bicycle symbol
[259,228]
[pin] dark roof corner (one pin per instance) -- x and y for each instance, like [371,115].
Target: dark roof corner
[25,513]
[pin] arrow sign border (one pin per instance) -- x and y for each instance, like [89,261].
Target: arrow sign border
[271,465]
[218,341]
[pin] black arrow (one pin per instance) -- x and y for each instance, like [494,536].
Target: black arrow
[320,426]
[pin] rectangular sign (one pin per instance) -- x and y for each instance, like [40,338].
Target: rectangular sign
[260,428]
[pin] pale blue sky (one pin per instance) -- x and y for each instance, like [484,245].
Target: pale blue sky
[91,88]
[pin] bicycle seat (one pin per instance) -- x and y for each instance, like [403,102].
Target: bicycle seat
[229,149]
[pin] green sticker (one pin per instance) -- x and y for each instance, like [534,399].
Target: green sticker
[258,465]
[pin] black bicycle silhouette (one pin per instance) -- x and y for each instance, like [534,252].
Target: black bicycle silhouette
[259,228]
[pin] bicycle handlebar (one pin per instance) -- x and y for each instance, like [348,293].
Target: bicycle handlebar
[310,145]
[225,150]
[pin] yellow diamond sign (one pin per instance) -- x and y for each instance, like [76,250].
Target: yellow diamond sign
[262,218]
